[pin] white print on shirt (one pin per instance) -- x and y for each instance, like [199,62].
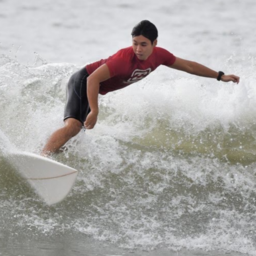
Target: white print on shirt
[138,74]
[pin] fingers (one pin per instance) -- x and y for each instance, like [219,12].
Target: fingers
[88,125]
[235,79]
[90,121]
[228,78]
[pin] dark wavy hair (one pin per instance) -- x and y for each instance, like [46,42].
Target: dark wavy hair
[146,29]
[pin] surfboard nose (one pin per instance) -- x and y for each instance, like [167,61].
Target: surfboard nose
[51,180]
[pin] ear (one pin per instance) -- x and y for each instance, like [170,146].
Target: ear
[155,43]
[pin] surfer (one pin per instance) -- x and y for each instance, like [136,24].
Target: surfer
[125,67]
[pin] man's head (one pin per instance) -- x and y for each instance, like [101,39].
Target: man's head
[147,29]
[144,39]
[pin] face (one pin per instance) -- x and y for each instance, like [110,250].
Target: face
[142,47]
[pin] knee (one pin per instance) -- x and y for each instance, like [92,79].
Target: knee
[72,127]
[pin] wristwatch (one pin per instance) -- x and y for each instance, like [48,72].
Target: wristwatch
[220,75]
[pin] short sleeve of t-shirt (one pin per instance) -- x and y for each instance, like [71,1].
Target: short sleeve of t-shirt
[164,57]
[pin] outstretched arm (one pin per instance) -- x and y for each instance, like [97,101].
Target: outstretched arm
[93,86]
[200,70]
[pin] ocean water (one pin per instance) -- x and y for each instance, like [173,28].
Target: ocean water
[170,168]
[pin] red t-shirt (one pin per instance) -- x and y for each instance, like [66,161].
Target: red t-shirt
[125,68]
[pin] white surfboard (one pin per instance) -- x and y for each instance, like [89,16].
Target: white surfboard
[51,180]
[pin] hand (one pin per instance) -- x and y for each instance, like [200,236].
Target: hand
[228,78]
[91,120]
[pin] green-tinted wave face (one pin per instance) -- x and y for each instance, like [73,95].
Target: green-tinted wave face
[233,145]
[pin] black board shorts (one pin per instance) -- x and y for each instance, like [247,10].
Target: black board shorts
[77,105]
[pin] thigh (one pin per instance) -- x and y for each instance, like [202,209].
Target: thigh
[77,105]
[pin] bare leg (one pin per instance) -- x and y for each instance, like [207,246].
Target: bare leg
[71,128]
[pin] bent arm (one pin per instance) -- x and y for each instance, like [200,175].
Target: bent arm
[201,70]
[93,86]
